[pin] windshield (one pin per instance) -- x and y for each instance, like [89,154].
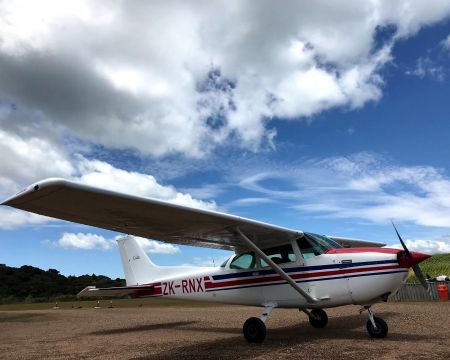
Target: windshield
[312,244]
[325,242]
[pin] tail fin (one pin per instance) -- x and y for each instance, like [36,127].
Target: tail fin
[139,269]
[137,266]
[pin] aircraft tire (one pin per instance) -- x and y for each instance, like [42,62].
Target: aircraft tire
[381,330]
[254,330]
[320,318]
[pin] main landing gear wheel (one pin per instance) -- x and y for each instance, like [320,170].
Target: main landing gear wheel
[318,318]
[254,330]
[381,329]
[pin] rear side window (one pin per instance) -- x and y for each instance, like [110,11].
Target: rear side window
[279,255]
[243,261]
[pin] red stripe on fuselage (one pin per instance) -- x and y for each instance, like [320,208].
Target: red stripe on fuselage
[258,280]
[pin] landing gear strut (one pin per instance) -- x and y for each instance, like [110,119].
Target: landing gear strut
[376,326]
[318,318]
[255,328]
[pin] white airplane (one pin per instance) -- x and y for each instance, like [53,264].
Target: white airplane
[272,266]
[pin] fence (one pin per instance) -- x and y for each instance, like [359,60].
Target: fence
[415,292]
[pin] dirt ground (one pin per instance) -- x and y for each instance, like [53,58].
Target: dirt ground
[416,331]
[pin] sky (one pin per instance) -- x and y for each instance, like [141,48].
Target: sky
[322,116]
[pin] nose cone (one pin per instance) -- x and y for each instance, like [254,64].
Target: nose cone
[413,259]
[418,257]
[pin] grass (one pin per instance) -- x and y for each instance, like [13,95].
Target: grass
[434,266]
[117,303]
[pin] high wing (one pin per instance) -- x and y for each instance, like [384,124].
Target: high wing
[133,291]
[146,217]
[149,218]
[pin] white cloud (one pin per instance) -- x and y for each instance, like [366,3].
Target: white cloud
[25,161]
[164,77]
[157,247]
[82,241]
[103,175]
[206,191]
[446,43]
[27,158]
[12,218]
[436,246]
[362,186]
[89,241]
[252,201]
[426,67]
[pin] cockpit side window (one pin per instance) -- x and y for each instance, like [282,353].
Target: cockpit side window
[306,248]
[279,254]
[243,261]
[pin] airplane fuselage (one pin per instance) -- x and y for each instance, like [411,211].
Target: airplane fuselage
[338,277]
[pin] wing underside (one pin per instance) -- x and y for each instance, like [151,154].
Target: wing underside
[145,217]
[349,242]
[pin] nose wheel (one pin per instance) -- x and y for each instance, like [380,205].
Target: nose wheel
[381,329]
[376,326]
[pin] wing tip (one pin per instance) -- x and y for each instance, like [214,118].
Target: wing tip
[42,184]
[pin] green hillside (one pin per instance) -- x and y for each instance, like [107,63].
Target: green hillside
[31,284]
[434,266]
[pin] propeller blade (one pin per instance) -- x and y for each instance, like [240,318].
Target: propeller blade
[401,241]
[415,267]
[421,278]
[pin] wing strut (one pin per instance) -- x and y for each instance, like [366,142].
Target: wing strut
[274,266]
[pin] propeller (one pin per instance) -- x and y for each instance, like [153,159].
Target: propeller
[414,259]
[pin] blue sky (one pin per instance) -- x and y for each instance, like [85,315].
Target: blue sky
[334,120]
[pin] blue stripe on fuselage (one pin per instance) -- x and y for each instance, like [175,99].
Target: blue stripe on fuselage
[312,280]
[256,272]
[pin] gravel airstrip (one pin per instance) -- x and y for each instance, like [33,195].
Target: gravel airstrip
[416,331]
